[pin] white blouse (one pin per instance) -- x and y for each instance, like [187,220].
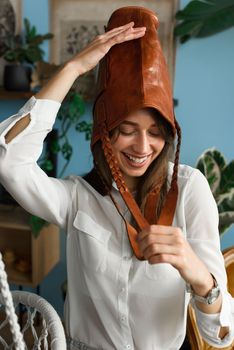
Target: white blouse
[115,301]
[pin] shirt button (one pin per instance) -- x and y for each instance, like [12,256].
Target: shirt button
[122,289]
[126,258]
[123,318]
[128,346]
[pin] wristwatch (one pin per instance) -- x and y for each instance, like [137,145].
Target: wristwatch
[210,298]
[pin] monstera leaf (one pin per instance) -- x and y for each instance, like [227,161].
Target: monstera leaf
[211,163]
[202,18]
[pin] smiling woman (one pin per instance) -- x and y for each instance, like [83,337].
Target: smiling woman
[142,231]
[137,145]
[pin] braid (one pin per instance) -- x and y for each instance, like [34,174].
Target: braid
[111,160]
[177,155]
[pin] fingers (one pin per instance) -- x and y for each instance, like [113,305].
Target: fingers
[121,34]
[159,249]
[114,31]
[164,258]
[158,240]
[157,229]
[126,35]
[155,239]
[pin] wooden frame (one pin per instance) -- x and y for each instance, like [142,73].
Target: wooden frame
[17,6]
[76,22]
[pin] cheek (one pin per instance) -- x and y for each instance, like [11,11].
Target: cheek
[120,144]
[159,145]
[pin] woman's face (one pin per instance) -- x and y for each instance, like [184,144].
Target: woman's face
[136,144]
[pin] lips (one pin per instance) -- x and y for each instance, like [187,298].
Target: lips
[136,161]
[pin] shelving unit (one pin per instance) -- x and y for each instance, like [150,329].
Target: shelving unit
[41,253]
[14,95]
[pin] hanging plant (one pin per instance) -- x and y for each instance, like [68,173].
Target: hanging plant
[202,18]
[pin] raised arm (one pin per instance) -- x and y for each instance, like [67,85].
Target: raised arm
[60,84]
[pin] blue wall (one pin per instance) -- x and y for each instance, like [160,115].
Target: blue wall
[204,88]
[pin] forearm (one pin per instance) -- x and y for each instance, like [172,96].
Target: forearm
[56,89]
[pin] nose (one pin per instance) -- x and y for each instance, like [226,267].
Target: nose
[142,144]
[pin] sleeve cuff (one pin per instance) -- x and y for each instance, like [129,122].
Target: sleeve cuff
[209,324]
[42,111]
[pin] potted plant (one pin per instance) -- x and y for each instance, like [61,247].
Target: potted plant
[220,176]
[22,51]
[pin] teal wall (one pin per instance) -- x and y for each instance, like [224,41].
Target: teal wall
[204,88]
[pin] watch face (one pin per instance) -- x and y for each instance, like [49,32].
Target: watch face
[213,295]
[212,299]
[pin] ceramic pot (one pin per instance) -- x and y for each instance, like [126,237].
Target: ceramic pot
[17,78]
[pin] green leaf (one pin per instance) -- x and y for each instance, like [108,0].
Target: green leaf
[227,179]
[204,18]
[37,224]
[25,48]
[85,127]
[226,220]
[55,147]
[80,104]
[187,29]
[34,54]
[27,26]
[67,150]
[225,201]
[209,167]
[196,10]
[218,157]
[47,165]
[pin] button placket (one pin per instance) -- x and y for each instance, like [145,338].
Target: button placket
[124,271]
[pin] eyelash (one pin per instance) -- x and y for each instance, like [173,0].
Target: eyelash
[126,133]
[132,133]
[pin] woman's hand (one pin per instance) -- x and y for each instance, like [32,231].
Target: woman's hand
[89,57]
[57,88]
[166,244]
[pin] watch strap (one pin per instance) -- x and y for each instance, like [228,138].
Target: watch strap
[210,298]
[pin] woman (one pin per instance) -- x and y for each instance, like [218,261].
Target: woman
[142,231]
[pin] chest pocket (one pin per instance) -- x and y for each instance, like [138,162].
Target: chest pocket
[93,242]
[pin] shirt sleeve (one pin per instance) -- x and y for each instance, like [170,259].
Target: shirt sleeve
[203,235]
[46,197]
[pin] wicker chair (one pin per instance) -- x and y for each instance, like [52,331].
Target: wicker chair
[41,327]
[195,339]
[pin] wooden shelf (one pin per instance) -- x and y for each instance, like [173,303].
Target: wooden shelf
[14,217]
[15,95]
[41,254]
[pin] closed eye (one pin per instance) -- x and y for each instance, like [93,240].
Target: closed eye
[127,130]
[154,132]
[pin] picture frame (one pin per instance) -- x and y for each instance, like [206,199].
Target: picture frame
[74,23]
[17,6]
[10,21]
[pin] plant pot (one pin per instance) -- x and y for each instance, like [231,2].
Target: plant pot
[17,78]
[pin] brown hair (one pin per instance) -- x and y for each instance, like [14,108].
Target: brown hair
[156,174]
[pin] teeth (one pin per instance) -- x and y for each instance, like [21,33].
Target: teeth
[136,160]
